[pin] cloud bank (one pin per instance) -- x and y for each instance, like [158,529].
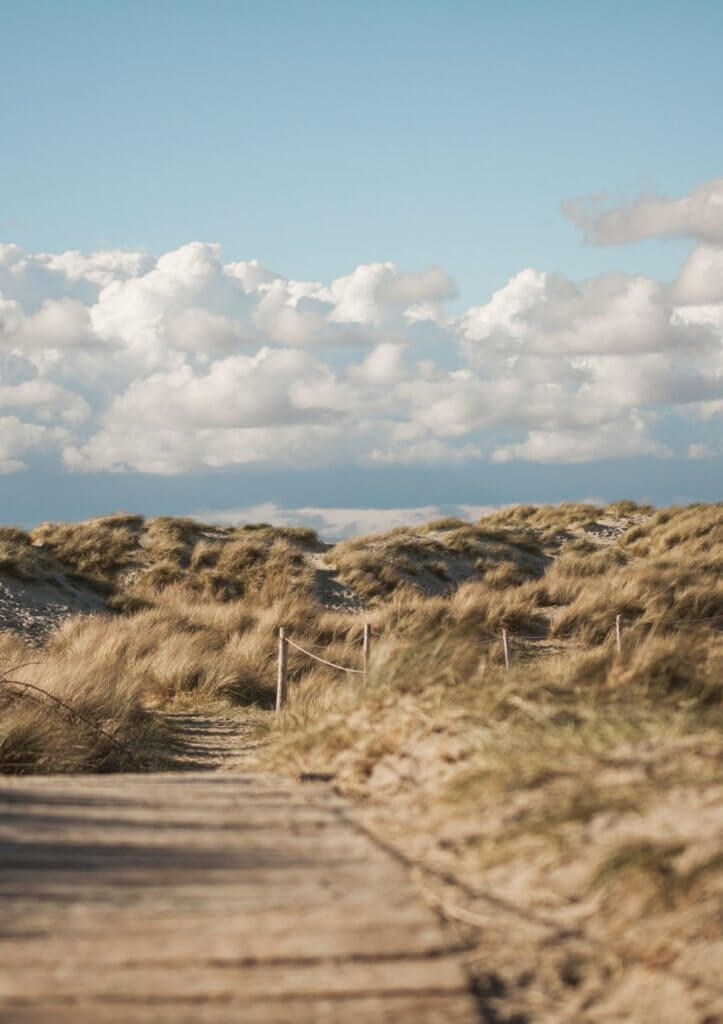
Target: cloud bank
[116,361]
[698,216]
[340,523]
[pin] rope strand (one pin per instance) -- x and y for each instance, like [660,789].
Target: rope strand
[331,664]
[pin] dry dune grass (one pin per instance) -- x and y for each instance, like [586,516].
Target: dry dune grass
[552,520]
[665,574]
[107,729]
[197,607]
[121,553]
[181,650]
[21,559]
[508,548]
[576,799]
[177,630]
[97,550]
[436,559]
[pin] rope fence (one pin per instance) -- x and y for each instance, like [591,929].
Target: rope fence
[505,639]
[331,664]
[282,683]
[285,642]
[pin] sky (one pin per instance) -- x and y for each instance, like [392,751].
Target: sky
[335,262]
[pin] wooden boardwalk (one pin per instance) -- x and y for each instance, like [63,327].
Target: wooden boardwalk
[210,897]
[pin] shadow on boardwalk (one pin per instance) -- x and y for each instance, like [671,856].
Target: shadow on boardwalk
[213,896]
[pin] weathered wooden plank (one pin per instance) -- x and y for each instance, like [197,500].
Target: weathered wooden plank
[86,846]
[189,979]
[388,1009]
[115,818]
[346,890]
[268,886]
[213,898]
[258,784]
[330,933]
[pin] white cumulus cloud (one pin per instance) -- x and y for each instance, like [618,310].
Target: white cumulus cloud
[604,441]
[17,438]
[123,362]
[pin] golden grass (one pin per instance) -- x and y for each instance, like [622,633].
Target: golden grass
[109,730]
[177,629]
[121,553]
[197,607]
[18,558]
[436,559]
[569,697]
[582,789]
[97,550]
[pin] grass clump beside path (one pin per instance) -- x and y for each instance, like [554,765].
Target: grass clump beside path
[62,714]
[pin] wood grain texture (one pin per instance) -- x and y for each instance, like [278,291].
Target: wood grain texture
[211,897]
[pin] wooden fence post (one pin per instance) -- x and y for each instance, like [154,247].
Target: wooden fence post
[506,648]
[367,646]
[619,633]
[281,676]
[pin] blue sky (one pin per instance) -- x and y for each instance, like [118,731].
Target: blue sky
[318,138]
